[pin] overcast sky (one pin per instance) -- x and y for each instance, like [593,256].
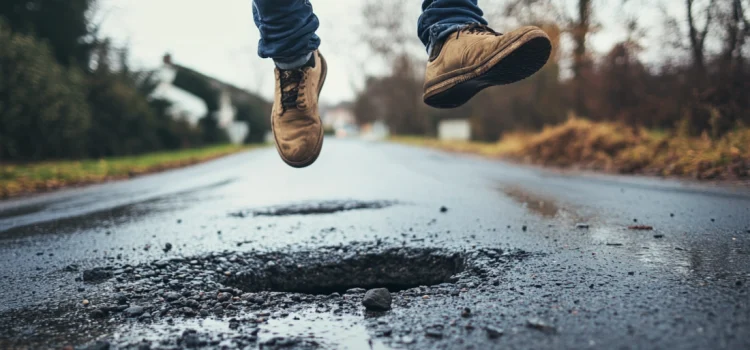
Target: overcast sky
[219,37]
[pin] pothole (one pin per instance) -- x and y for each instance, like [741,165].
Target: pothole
[240,288]
[326,272]
[314,208]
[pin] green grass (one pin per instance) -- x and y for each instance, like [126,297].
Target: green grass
[17,179]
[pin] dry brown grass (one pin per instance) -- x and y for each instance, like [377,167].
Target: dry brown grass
[614,147]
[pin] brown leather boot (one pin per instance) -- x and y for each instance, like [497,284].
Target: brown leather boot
[295,120]
[477,57]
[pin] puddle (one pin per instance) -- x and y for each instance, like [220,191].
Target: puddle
[306,329]
[712,259]
[330,331]
[51,220]
[314,208]
[97,220]
[544,207]
[396,269]
[25,210]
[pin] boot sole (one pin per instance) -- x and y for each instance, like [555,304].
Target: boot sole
[517,61]
[319,146]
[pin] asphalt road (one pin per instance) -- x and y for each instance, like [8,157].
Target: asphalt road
[557,284]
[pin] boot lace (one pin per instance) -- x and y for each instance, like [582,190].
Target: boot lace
[292,81]
[476,28]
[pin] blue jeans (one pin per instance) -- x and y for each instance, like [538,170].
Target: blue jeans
[287,27]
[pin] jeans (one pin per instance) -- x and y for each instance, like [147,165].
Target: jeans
[287,27]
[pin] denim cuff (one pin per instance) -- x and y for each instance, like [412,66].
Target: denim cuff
[439,32]
[294,62]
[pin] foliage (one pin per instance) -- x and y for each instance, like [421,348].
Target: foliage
[125,121]
[43,111]
[707,92]
[16,179]
[396,99]
[63,24]
[76,96]
[122,123]
[616,147]
[211,133]
[256,117]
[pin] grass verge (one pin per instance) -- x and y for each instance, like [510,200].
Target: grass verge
[19,179]
[614,147]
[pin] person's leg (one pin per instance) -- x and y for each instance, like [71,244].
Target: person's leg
[440,18]
[476,57]
[287,35]
[287,31]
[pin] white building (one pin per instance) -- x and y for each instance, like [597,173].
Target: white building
[192,108]
[184,104]
[454,129]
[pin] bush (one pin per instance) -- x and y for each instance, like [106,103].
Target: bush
[123,122]
[43,110]
[256,118]
[619,148]
[582,143]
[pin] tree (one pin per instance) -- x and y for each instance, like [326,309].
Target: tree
[64,24]
[698,36]
[580,59]
[256,115]
[398,92]
[43,111]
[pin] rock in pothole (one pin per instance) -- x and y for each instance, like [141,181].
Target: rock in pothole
[134,311]
[378,299]
[494,332]
[540,325]
[97,274]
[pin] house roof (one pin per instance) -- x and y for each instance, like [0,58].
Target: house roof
[237,94]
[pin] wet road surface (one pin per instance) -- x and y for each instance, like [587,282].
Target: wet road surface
[245,252]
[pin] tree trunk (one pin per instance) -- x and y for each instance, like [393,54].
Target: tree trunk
[698,38]
[580,60]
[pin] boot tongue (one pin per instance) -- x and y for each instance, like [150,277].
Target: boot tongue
[473,28]
[435,50]
[477,28]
